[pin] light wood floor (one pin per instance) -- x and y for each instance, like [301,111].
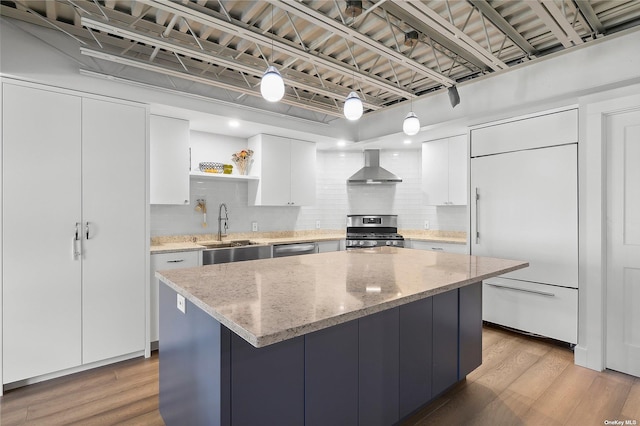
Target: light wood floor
[522,381]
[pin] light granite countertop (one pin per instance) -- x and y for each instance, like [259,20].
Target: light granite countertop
[272,300]
[178,243]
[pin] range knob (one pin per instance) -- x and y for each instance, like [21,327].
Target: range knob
[361,243]
[388,243]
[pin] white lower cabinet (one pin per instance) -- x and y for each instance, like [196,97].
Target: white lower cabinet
[542,309]
[73,232]
[446,247]
[161,262]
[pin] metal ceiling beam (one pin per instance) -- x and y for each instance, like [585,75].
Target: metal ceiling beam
[590,15]
[432,34]
[450,31]
[555,28]
[329,24]
[504,26]
[202,80]
[163,43]
[251,34]
[562,21]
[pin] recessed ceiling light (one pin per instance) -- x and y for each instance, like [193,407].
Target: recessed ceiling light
[341,143]
[407,141]
[395,154]
[234,123]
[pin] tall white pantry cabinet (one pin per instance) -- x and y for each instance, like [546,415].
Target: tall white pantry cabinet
[74,249]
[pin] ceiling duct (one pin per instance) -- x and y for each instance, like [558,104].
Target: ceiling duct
[372,172]
[411,38]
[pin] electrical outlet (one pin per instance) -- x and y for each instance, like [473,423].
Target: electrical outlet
[181,304]
[317,224]
[254,226]
[426,224]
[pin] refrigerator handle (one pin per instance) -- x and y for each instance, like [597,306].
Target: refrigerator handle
[477,197]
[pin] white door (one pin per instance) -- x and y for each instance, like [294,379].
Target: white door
[41,205]
[623,242]
[114,206]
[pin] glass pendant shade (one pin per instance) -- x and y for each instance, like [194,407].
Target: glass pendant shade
[411,124]
[353,107]
[272,85]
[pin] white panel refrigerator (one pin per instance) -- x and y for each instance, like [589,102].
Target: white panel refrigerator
[524,205]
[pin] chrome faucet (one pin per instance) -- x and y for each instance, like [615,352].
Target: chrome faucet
[220,219]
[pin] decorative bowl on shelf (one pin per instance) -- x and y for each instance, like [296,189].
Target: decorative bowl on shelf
[209,167]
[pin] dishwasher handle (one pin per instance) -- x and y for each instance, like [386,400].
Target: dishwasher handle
[294,249]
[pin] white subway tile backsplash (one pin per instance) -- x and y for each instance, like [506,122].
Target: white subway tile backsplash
[335,199]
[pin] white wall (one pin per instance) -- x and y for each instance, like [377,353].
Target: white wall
[335,199]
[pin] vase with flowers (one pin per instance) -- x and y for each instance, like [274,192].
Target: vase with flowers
[242,159]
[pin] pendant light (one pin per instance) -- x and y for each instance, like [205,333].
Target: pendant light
[271,84]
[411,123]
[353,105]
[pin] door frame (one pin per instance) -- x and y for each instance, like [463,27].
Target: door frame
[592,206]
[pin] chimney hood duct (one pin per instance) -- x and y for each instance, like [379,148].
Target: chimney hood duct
[372,172]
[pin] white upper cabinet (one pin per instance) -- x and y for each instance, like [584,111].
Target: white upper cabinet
[287,172]
[550,129]
[444,171]
[169,160]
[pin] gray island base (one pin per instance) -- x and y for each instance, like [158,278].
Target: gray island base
[363,337]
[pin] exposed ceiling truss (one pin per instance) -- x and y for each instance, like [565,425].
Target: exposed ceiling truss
[392,52]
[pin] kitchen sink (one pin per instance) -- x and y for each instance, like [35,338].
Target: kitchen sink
[225,244]
[215,254]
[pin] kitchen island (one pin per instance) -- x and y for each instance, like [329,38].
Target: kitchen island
[360,337]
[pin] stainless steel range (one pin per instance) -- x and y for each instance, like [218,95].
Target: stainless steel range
[373,231]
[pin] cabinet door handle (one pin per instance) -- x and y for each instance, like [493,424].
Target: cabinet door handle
[75,241]
[86,229]
[524,290]
[437,248]
[175,261]
[477,196]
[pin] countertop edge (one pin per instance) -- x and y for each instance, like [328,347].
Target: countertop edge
[293,332]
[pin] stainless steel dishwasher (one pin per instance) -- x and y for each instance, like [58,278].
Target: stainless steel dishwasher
[282,250]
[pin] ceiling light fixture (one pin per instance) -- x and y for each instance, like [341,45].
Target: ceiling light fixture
[271,84]
[353,105]
[411,123]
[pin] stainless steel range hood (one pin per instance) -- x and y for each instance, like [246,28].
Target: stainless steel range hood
[372,172]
